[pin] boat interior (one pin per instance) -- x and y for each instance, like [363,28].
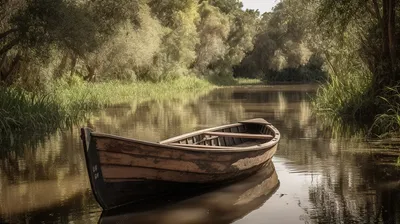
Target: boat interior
[235,135]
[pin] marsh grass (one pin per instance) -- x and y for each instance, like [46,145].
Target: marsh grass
[65,102]
[248,81]
[88,96]
[343,97]
[388,123]
[349,100]
[21,111]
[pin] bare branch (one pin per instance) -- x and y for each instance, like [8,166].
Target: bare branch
[4,34]
[8,46]
[377,11]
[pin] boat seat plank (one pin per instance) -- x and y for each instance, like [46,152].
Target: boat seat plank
[200,146]
[239,135]
[250,143]
[205,139]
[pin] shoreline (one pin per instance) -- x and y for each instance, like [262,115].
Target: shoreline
[66,104]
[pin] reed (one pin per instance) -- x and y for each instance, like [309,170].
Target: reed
[21,111]
[388,123]
[349,100]
[65,102]
[82,97]
[343,97]
[248,81]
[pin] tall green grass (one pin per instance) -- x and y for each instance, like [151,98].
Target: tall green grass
[343,96]
[83,96]
[21,111]
[388,123]
[348,98]
[249,81]
[67,101]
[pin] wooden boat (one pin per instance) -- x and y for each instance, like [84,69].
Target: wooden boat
[223,205]
[123,170]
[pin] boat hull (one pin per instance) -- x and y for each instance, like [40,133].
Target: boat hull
[223,205]
[125,170]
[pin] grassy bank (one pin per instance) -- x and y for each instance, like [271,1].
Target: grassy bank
[349,101]
[248,81]
[67,101]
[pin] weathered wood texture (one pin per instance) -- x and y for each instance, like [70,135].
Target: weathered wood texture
[122,170]
[239,135]
[223,205]
[124,160]
[139,164]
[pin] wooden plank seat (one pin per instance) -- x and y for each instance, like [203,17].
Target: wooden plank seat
[205,139]
[239,135]
[201,146]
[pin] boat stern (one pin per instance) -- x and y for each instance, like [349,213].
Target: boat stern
[94,167]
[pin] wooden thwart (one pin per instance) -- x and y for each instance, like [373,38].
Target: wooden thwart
[201,146]
[205,139]
[239,135]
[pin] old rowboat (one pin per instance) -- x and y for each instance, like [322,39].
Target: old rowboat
[123,170]
[223,205]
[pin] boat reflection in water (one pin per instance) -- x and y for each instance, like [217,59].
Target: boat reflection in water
[223,205]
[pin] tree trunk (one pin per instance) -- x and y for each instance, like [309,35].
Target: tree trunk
[5,74]
[73,63]
[91,73]
[377,11]
[386,75]
[392,37]
[60,69]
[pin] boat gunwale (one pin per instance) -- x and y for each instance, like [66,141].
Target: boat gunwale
[164,143]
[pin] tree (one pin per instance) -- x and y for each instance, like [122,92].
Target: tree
[376,22]
[34,29]
[213,32]
[177,51]
[279,43]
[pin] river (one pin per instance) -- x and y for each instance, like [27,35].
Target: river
[313,178]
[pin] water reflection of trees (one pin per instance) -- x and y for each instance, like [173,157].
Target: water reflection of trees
[49,175]
[159,119]
[350,188]
[352,194]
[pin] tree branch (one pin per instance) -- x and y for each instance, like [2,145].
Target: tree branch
[377,11]
[2,35]
[8,46]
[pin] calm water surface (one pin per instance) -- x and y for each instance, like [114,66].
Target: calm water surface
[312,179]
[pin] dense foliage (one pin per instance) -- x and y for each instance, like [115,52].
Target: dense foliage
[282,52]
[356,42]
[43,40]
[363,38]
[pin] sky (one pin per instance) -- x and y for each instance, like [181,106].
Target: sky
[261,5]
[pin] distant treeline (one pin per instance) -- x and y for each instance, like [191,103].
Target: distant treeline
[355,42]
[152,40]
[43,40]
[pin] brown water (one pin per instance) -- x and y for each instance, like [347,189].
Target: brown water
[313,178]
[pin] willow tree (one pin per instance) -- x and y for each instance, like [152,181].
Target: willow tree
[177,51]
[33,32]
[375,23]
[279,43]
[226,35]
[213,32]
